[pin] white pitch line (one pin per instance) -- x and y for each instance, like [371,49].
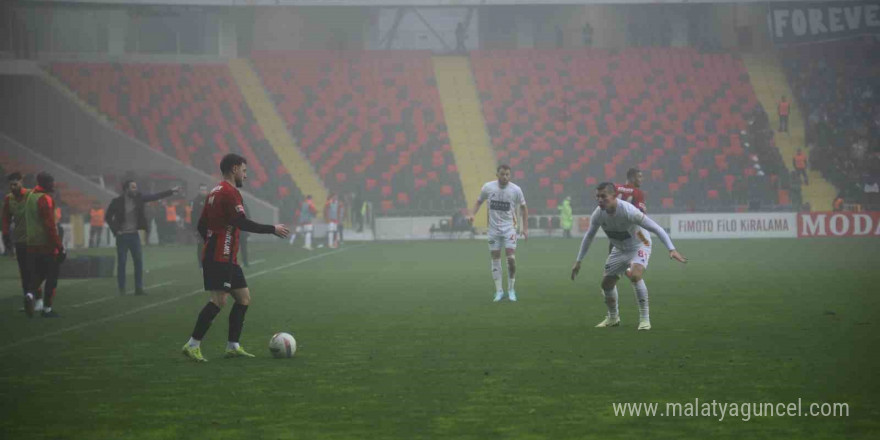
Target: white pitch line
[108,298]
[94,301]
[158,285]
[160,303]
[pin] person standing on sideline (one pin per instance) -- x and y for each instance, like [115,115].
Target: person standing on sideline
[307,212]
[96,226]
[15,226]
[783,110]
[219,224]
[566,219]
[331,216]
[799,161]
[126,216]
[357,213]
[198,204]
[45,250]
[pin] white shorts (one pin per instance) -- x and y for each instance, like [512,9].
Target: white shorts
[508,241]
[618,261]
[303,228]
[331,227]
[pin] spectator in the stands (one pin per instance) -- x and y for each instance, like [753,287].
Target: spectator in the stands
[799,161]
[783,109]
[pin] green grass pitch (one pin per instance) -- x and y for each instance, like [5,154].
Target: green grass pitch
[402,341]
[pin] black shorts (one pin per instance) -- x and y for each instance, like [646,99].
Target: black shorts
[222,276]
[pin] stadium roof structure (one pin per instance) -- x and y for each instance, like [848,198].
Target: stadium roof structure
[418,3]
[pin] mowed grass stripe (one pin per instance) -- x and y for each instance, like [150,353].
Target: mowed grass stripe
[160,303]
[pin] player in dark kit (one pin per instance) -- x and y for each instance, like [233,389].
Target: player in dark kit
[219,225]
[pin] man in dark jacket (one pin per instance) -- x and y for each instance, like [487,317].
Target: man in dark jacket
[126,217]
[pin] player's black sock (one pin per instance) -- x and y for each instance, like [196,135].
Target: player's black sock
[206,316]
[236,321]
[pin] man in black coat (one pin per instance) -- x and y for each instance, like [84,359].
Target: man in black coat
[125,216]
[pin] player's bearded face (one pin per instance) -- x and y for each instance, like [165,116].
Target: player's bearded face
[503,177]
[240,176]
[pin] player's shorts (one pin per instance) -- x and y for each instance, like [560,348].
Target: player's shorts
[222,276]
[507,241]
[618,261]
[304,228]
[331,227]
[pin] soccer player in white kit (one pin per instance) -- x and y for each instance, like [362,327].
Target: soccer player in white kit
[623,223]
[504,198]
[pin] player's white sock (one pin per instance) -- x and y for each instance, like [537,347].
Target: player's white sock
[496,274]
[292,237]
[232,345]
[193,342]
[38,306]
[308,239]
[329,239]
[510,282]
[47,309]
[642,298]
[611,302]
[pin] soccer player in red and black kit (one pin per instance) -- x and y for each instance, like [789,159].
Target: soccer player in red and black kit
[220,223]
[631,192]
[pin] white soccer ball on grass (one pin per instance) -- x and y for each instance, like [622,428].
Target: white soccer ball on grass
[282,345]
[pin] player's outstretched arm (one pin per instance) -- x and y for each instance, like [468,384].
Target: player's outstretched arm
[575,269]
[652,226]
[677,256]
[248,225]
[585,244]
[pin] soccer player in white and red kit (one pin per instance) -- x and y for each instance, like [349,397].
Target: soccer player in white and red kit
[504,197]
[220,223]
[626,228]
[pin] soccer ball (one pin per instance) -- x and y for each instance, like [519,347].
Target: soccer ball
[282,345]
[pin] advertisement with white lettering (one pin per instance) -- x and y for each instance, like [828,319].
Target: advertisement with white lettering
[822,21]
[733,225]
[839,224]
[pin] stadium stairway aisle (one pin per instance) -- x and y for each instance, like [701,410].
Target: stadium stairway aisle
[769,82]
[276,131]
[467,130]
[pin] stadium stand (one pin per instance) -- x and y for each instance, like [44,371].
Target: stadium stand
[192,112]
[568,119]
[371,120]
[838,86]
